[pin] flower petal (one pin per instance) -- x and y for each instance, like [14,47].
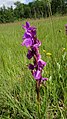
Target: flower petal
[27,25]
[44,79]
[29,54]
[31,67]
[26,35]
[37,74]
[41,64]
[27,42]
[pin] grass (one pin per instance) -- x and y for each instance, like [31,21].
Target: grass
[17,86]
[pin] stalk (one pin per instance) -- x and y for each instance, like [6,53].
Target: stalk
[38,97]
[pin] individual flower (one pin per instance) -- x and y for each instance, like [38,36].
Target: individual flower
[44,51]
[41,64]
[27,42]
[48,54]
[30,54]
[31,66]
[37,75]
[29,29]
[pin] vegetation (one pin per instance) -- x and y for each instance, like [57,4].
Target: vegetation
[17,86]
[35,9]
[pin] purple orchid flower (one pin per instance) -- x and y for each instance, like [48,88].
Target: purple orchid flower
[31,66]
[37,74]
[41,64]
[30,54]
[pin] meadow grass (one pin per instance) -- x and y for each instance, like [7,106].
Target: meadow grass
[17,86]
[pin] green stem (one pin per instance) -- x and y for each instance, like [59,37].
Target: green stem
[38,97]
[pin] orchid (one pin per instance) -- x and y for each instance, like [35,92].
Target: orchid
[31,41]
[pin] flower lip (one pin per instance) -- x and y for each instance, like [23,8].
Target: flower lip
[41,64]
[27,42]
[37,75]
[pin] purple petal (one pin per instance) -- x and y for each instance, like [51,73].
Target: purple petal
[26,35]
[37,74]
[24,27]
[41,63]
[27,25]
[35,50]
[44,79]
[29,54]
[27,42]
[32,30]
[38,42]
[38,56]
[31,67]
